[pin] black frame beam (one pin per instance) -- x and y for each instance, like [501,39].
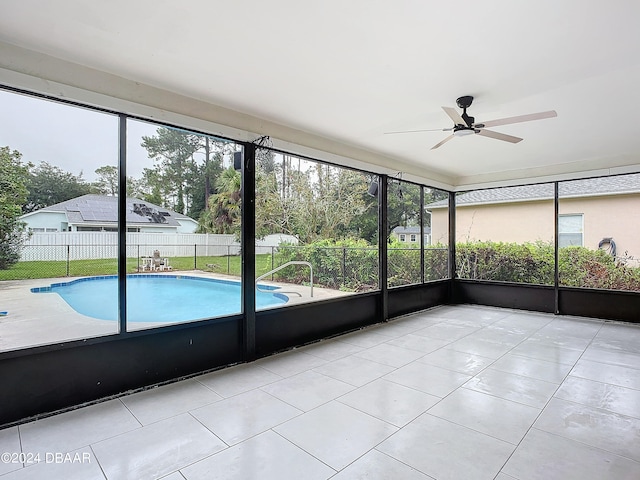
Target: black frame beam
[383,225]
[248,245]
[122,223]
[452,244]
[556,249]
[421,233]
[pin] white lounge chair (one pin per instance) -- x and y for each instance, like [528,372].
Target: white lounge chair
[160,263]
[147,263]
[164,264]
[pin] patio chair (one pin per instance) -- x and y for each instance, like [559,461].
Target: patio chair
[156,261]
[164,265]
[160,263]
[147,263]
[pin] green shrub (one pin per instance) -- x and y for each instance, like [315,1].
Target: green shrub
[352,265]
[581,267]
[403,264]
[349,264]
[533,263]
[436,262]
[506,262]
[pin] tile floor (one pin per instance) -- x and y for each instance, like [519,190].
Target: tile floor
[456,392]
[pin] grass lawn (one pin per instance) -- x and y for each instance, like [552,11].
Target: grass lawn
[79,268]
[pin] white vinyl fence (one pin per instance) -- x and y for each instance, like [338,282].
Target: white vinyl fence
[94,245]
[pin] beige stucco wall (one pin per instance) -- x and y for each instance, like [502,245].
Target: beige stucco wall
[613,216]
[604,216]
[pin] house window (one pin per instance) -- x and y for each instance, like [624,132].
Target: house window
[402,238]
[412,238]
[570,230]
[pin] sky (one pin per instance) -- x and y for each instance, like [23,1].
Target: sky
[77,140]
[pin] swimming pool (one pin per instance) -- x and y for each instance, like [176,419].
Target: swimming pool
[158,298]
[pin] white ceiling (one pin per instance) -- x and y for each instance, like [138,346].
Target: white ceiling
[336,75]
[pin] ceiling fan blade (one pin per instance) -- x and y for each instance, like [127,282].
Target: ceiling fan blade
[454,115]
[499,136]
[442,142]
[418,131]
[520,118]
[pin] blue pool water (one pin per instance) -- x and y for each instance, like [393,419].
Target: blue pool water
[158,298]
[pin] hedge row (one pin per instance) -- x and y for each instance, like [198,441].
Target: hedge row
[534,263]
[352,265]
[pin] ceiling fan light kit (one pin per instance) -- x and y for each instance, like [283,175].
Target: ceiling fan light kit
[464,124]
[463,132]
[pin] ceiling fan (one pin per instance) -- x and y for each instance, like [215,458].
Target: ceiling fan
[465,125]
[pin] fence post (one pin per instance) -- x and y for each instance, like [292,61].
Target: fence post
[272,250]
[138,261]
[344,266]
[195,256]
[228,260]
[68,251]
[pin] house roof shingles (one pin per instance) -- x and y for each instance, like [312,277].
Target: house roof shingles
[92,209]
[618,185]
[411,230]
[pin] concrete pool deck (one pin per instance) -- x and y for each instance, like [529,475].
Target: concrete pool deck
[41,319]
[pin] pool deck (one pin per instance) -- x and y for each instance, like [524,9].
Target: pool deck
[41,319]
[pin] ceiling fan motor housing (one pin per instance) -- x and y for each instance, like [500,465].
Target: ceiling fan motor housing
[464,103]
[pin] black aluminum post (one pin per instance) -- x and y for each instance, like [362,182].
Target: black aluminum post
[556,272]
[383,223]
[344,265]
[122,223]
[421,234]
[452,241]
[248,245]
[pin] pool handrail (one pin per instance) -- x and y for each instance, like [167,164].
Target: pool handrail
[293,262]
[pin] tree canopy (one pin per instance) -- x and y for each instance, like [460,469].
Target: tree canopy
[308,199]
[48,184]
[181,179]
[13,194]
[107,182]
[223,214]
[304,198]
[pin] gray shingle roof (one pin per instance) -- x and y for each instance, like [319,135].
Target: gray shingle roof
[617,185]
[92,209]
[411,230]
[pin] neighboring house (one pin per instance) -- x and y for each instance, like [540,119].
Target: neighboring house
[411,235]
[590,212]
[99,213]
